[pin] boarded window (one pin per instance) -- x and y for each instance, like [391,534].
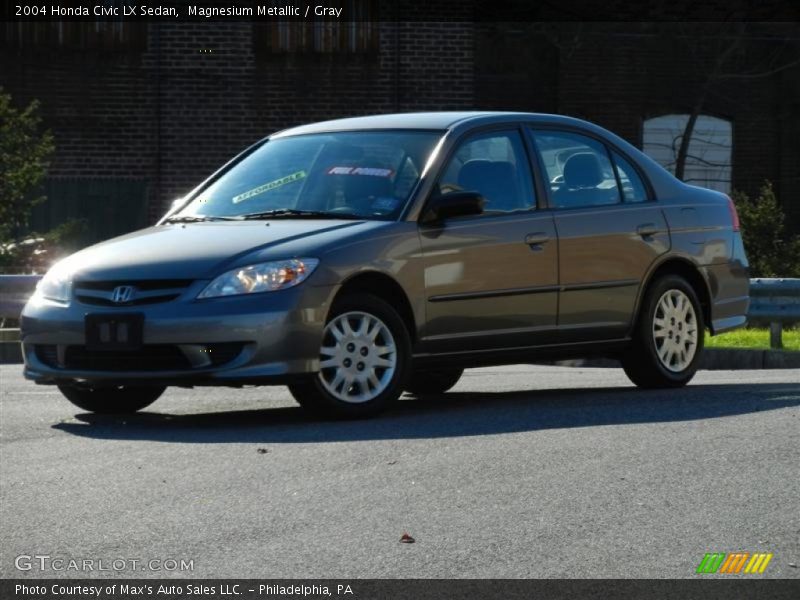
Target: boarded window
[708,163]
[357,33]
[107,35]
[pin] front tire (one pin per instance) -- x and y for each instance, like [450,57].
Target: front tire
[364,360]
[429,383]
[669,336]
[112,400]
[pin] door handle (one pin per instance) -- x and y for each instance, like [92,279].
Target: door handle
[647,229]
[536,239]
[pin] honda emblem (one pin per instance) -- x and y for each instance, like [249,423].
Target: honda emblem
[122,294]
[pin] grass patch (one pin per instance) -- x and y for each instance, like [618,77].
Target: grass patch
[753,338]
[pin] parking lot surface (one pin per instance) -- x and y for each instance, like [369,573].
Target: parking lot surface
[521,471]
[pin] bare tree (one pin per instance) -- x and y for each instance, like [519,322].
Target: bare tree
[726,44]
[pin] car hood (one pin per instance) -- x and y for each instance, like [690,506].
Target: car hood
[203,250]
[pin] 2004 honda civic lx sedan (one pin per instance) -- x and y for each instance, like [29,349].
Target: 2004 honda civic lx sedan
[354,259]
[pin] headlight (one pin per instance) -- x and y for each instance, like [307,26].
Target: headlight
[56,285]
[263,277]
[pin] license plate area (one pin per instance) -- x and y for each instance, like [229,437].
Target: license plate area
[114,331]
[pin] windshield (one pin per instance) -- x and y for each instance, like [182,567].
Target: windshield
[361,174]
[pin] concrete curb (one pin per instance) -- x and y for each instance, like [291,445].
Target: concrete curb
[729,358]
[714,359]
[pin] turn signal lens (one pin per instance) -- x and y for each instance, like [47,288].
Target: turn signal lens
[734,214]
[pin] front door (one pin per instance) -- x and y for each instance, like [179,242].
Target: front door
[491,280]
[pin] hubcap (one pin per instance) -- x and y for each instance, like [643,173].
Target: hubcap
[358,357]
[675,330]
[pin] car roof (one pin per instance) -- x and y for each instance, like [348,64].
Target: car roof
[439,121]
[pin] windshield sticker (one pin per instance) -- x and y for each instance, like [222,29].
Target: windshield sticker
[387,203]
[369,171]
[269,186]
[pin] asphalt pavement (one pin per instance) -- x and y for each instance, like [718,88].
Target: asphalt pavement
[520,471]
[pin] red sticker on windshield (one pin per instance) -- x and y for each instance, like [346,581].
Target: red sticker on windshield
[368,171]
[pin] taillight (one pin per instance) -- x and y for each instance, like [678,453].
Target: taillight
[734,214]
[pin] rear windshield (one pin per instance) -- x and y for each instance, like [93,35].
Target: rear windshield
[370,174]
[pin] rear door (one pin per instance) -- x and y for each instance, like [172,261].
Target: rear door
[609,233]
[491,280]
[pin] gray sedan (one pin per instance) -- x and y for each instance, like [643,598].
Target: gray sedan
[354,259]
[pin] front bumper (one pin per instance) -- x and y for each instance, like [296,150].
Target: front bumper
[279,334]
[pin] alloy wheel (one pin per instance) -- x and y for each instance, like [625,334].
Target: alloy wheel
[358,357]
[675,330]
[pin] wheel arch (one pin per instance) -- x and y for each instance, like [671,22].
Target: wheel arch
[676,265]
[386,288]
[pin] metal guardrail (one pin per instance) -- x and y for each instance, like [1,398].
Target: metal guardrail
[14,293]
[776,301]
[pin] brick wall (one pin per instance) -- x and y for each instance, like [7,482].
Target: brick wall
[199,92]
[98,108]
[619,74]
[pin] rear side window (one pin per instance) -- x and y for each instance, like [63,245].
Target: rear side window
[495,165]
[633,189]
[578,169]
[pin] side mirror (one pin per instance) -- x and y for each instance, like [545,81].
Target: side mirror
[455,204]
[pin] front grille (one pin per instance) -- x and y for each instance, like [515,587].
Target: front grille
[148,358]
[152,291]
[153,357]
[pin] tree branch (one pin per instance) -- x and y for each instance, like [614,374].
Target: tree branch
[759,74]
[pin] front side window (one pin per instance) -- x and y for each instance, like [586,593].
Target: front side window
[578,170]
[494,165]
[364,174]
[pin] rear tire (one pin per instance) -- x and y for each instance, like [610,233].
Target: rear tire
[364,359]
[428,383]
[112,400]
[668,340]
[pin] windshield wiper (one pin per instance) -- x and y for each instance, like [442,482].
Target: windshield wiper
[293,212]
[196,219]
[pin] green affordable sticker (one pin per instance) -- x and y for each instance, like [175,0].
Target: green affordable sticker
[269,186]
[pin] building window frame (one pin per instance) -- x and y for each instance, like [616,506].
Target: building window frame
[709,162]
